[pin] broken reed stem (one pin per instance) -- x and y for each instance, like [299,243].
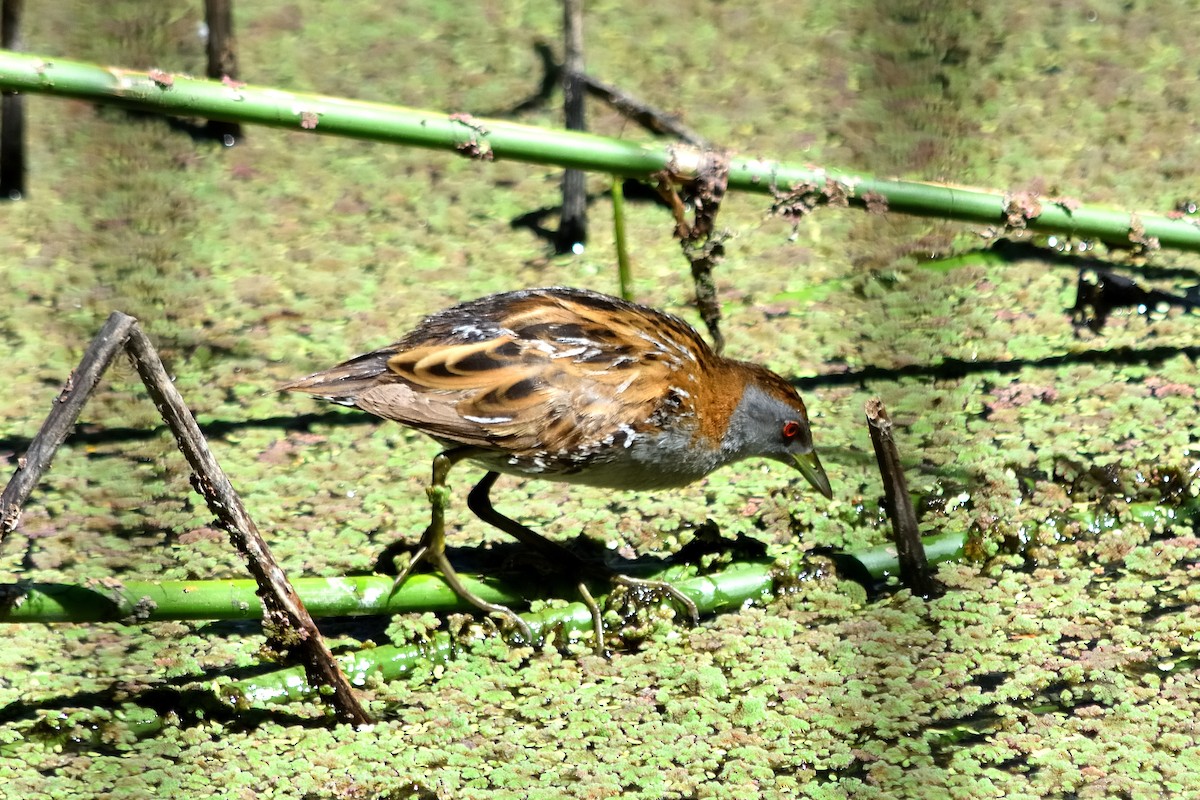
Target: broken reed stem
[70,401]
[703,245]
[910,552]
[285,618]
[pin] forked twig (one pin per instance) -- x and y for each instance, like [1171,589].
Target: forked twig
[286,621]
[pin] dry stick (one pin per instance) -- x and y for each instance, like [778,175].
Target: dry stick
[222,53]
[644,114]
[283,610]
[910,553]
[652,119]
[12,112]
[282,605]
[70,401]
[222,61]
[572,225]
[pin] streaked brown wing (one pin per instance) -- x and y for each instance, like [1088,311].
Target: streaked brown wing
[523,369]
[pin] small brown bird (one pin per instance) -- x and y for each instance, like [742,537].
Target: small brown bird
[574,386]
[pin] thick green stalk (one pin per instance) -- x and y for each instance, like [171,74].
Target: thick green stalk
[722,591]
[795,185]
[148,601]
[165,93]
[33,602]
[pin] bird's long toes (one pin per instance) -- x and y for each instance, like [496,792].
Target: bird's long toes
[664,589]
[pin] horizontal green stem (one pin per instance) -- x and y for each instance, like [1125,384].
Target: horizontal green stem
[235,599]
[729,589]
[723,591]
[185,96]
[150,601]
[180,95]
[130,601]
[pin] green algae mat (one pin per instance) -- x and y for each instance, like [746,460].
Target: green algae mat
[1061,662]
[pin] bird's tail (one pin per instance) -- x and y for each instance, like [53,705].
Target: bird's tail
[345,382]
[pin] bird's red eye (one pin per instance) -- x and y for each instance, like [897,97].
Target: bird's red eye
[791,429]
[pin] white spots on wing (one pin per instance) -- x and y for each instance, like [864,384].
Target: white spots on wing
[627,383]
[678,349]
[624,436]
[687,353]
[486,420]
[656,343]
[630,435]
[529,463]
[471,332]
[671,349]
[578,347]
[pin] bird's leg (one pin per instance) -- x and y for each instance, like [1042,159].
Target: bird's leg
[480,503]
[433,544]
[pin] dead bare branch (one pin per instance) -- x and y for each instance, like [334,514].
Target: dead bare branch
[286,621]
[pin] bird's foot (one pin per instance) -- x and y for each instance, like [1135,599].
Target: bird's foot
[661,589]
[646,592]
[436,559]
